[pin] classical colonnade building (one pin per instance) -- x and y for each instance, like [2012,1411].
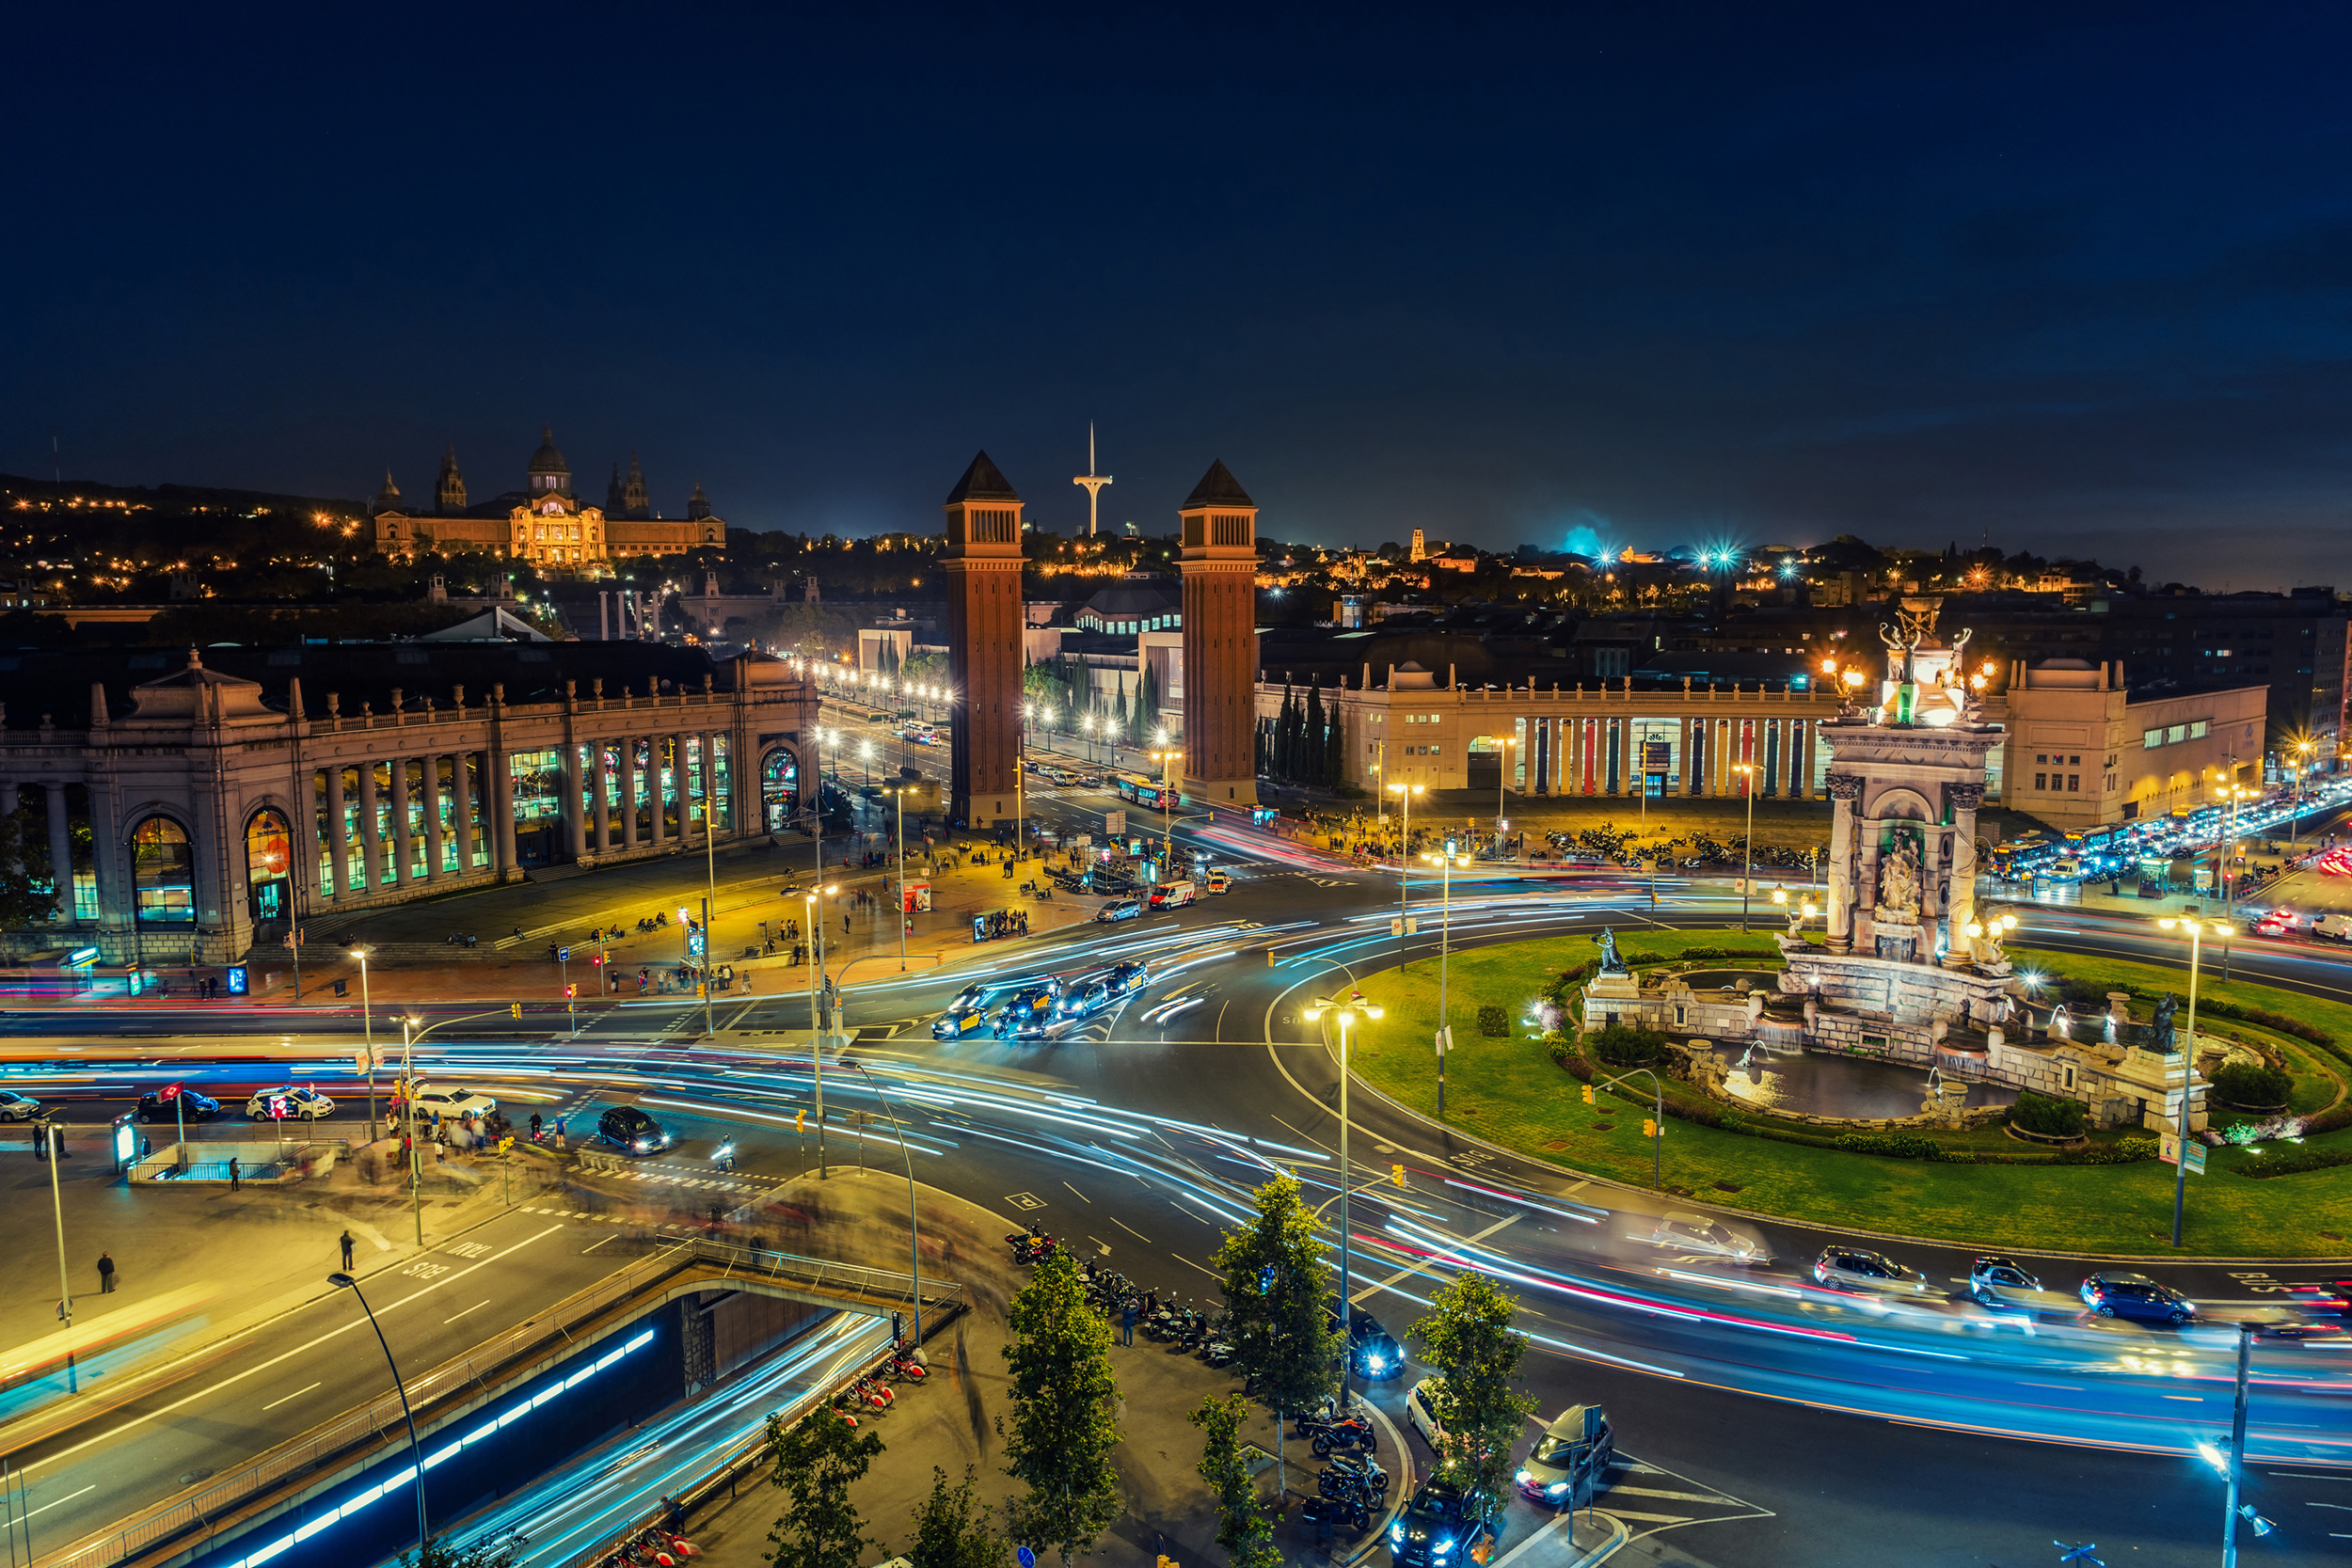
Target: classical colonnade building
[254,791]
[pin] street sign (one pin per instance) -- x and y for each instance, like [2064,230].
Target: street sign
[361,1061]
[237,982]
[694,943]
[1404,926]
[1445,1041]
[563,955]
[1114,824]
[2196,1159]
[1027,1558]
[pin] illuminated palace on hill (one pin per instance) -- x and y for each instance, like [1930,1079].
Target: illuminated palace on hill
[543,523]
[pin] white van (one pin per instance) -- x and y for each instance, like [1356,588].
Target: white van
[2335,927]
[1169,895]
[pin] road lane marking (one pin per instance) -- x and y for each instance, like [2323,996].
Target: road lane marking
[1082,1196]
[475,1308]
[1189,1263]
[1129,1229]
[1431,1262]
[295,1395]
[67,1498]
[303,1348]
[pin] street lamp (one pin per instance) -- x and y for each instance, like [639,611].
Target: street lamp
[367,1026]
[2302,766]
[2196,929]
[1747,877]
[1168,796]
[1445,861]
[1502,775]
[810,901]
[1349,1008]
[898,801]
[416,1455]
[1403,862]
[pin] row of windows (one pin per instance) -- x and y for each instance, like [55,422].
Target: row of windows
[2053,756]
[1424,718]
[2172,734]
[2048,783]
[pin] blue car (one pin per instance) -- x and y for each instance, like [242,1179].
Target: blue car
[1119,909]
[2136,1295]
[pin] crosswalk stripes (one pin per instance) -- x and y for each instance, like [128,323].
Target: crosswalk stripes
[1646,1486]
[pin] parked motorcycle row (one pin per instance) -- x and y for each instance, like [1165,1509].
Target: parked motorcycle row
[1187,1327]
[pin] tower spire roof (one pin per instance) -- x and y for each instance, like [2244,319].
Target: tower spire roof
[1219,487]
[981,482]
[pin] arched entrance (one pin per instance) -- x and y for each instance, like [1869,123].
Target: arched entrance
[163,873]
[779,790]
[269,863]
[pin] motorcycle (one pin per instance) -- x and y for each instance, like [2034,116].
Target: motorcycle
[1362,1469]
[724,1156]
[1327,1515]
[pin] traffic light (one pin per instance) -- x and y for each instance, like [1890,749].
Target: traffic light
[1589,1098]
[1396,1174]
[1649,1126]
[570,991]
[515,1008]
[505,1144]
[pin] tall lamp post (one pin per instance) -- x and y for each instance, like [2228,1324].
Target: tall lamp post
[1747,877]
[1502,776]
[812,902]
[1349,1007]
[2302,766]
[54,1136]
[367,1028]
[898,801]
[1405,862]
[416,1455]
[914,1224]
[1445,862]
[2196,929]
[1168,799]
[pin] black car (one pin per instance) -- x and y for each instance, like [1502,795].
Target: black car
[2115,1294]
[176,1104]
[627,1127]
[1373,1352]
[1436,1528]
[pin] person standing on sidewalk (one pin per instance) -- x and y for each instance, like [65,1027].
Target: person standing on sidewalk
[236,1175]
[1127,1323]
[347,1252]
[105,1273]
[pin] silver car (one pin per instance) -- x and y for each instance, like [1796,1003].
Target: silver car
[2001,1282]
[1854,1269]
[18,1107]
[1709,1238]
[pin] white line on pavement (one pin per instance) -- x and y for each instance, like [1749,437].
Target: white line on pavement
[295,1395]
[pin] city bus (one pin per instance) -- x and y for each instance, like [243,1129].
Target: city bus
[1130,786]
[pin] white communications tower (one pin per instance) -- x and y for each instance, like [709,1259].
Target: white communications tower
[1092,481]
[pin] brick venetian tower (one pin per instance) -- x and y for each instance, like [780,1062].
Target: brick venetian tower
[1220,563]
[984,625]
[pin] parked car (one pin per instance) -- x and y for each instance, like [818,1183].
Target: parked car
[159,1105]
[2335,926]
[1438,1528]
[18,1107]
[455,1102]
[298,1103]
[1570,1459]
[2116,1293]
[1171,895]
[1711,1238]
[627,1127]
[1856,1268]
[1117,909]
[1421,1415]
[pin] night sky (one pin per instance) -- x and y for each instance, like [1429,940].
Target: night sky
[1761,275]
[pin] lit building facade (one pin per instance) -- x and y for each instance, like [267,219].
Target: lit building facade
[546,523]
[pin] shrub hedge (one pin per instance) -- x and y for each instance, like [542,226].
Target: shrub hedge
[1626,1045]
[1898,1146]
[2124,1151]
[2052,1117]
[2262,1165]
[2252,1087]
[1493,1021]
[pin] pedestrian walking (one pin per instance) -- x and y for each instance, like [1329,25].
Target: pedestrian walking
[105,1273]
[236,1175]
[559,1134]
[1127,1323]
[347,1246]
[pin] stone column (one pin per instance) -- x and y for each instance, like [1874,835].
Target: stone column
[462,814]
[371,829]
[404,842]
[654,743]
[1930,877]
[62,849]
[337,834]
[502,783]
[687,759]
[575,802]
[430,805]
[600,780]
[1964,799]
[627,745]
[1844,790]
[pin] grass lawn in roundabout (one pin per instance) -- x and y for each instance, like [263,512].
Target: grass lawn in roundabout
[1509,1091]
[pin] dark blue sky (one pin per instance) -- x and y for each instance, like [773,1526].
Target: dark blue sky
[2075,274]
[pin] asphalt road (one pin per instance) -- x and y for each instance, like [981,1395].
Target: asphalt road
[1766,1429]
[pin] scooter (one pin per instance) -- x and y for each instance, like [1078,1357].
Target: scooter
[724,1156]
[1362,1469]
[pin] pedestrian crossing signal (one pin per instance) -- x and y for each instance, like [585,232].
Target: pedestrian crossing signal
[515,1008]
[1649,1126]
[1396,1174]
[1589,1099]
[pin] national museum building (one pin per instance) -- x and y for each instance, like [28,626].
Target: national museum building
[188,806]
[545,522]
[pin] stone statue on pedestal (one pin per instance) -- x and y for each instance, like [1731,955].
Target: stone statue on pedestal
[1610,962]
[1899,883]
[2163,1035]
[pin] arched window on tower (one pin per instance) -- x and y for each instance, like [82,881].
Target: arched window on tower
[163,873]
[268,857]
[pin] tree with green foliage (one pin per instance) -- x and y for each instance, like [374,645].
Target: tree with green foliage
[951,1531]
[1469,1342]
[1146,723]
[1275,1283]
[24,901]
[1311,751]
[1242,1528]
[1065,1413]
[817,1459]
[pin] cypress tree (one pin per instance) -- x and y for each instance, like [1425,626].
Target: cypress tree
[1313,762]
